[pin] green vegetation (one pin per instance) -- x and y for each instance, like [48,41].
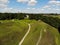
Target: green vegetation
[11,32]
[14,26]
[53,21]
[51,36]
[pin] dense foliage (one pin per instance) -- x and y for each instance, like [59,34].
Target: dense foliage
[9,16]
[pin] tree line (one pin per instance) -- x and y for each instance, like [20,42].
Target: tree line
[53,21]
[8,16]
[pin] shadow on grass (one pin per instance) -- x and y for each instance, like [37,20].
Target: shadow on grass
[59,29]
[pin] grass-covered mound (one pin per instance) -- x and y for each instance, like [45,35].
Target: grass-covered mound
[11,32]
[48,34]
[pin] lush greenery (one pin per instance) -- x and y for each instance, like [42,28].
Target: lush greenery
[51,19]
[9,16]
[13,27]
[49,34]
[12,31]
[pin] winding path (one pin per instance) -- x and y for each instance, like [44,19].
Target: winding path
[20,43]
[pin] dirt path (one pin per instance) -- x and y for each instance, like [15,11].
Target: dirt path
[20,43]
[39,38]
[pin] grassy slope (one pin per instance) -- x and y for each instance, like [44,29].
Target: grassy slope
[50,37]
[11,32]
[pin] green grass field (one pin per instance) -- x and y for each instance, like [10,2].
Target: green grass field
[11,33]
[50,37]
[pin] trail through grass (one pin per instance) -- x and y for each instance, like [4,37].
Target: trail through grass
[25,35]
[11,33]
[48,36]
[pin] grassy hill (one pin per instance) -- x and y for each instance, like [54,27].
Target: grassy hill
[12,31]
[49,35]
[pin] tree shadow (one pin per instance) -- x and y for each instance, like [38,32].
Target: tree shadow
[59,29]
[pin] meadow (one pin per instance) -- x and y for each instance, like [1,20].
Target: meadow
[11,32]
[41,32]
